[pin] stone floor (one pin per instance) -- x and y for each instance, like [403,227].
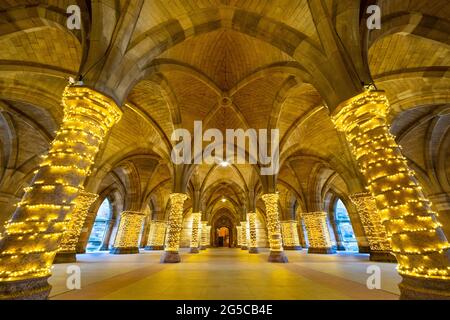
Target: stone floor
[225,274]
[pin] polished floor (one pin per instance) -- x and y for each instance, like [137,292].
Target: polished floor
[225,274]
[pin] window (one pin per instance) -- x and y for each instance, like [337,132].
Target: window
[100,226]
[344,226]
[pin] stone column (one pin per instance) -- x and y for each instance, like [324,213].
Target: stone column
[274,229]
[380,247]
[31,237]
[289,232]
[175,225]
[127,238]
[441,203]
[156,236]
[417,239]
[337,235]
[244,244]
[196,232]
[318,232]
[70,237]
[204,236]
[109,229]
[239,235]
[252,246]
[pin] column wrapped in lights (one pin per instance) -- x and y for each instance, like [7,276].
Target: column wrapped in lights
[380,247]
[68,245]
[196,232]
[289,232]
[31,237]
[417,239]
[252,246]
[239,235]
[318,232]
[243,240]
[174,227]
[156,235]
[204,236]
[127,238]
[274,229]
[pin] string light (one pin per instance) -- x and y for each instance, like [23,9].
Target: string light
[416,238]
[273,221]
[318,233]
[31,238]
[243,238]
[289,233]
[204,235]
[252,241]
[196,229]
[156,235]
[175,221]
[130,226]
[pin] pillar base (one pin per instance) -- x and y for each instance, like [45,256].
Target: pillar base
[204,247]
[28,289]
[364,249]
[296,248]
[321,250]
[194,250]
[382,256]
[154,248]
[278,257]
[253,250]
[340,248]
[412,288]
[133,250]
[106,248]
[65,257]
[170,257]
[244,248]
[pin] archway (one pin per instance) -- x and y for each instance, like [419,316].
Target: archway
[100,226]
[344,227]
[222,232]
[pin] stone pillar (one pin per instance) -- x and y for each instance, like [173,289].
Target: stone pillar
[175,225]
[274,229]
[127,238]
[417,239]
[380,247]
[441,203]
[109,229]
[196,232]
[289,232]
[204,236]
[244,244]
[156,236]
[31,237]
[318,232]
[337,235]
[70,237]
[239,235]
[252,246]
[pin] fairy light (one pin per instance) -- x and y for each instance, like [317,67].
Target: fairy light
[196,230]
[31,238]
[273,221]
[289,233]
[156,235]
[416,237]
[204,235]
[318,233]
[175,223]
[130,226]
[251,217]
[72,233]
[243,238]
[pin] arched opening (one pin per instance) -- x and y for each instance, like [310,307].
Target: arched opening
[223,237]
[344,227]
[100,226]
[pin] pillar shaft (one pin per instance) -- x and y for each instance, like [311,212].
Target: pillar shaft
[108,234]
[156,236]
[417,239]
[239,235]
[196,232]
[289,231]
[127,238]
[174,227]
[204,235]
[318,232]
[252,245]
[31,237]
[68,245]
[244,244]
[274,228]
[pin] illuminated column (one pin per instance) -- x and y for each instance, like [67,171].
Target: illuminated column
[31,237]
[274,229]
[417,239]
[318,233]
[175,225]
[196,232]
[244,245]
[156,235]
[252,247]
[380,247]
[127,238]
[289,232]
[204,236]
[239,235]
[68,245]
[208,236]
